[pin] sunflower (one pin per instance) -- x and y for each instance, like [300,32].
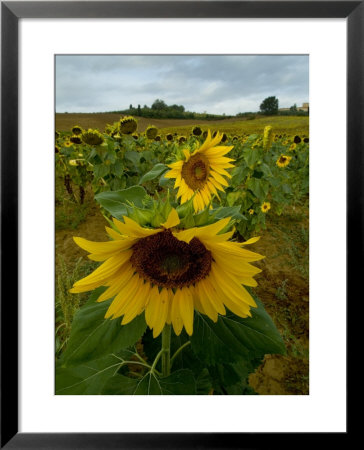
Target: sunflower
[283,161]
[77,130]
[251,211]
[92,137]
[201,172]
[76,139]
[151,132]
[196,131]
[265,207]
[169,137]
[292,147]
[167,273]
[127,125]
[297,140]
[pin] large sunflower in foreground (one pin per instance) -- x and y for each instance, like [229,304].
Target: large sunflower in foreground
[168,273]
[202,172]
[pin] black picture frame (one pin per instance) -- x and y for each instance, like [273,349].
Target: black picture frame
[11,12]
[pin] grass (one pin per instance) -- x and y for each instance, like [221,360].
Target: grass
[69,212]
[67,304]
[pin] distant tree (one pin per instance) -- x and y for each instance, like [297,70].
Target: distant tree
[131,106]
[269,106]
[159,105]
[293,108]
[139,111]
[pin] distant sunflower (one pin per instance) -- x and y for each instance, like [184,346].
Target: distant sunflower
[265,207]
[196,131]
[77,130]
[283,161]
[201,172]
[92,137]
[292,147]
[127,125]
[169,137]
[76,139]
[151,132]
[168,273]
[251,211]
[297,140]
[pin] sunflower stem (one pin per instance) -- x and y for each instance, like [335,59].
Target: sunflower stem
[166,350]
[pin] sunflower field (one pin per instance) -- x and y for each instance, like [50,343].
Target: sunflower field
[172,300]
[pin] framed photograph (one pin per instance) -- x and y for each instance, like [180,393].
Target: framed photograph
[181,252]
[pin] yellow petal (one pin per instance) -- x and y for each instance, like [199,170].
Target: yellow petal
[251,240]
[123,278]
[132,228]
[173,220]
[177,321]
[116,309]
[219,178]
[186,310]
[163,312]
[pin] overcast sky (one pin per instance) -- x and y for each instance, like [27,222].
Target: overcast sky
[215,84]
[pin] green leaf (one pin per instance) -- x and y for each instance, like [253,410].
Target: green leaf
[86,379]
[114,201]
[239,174]
[133,157]
[203,383]
[251,156]
[180,382]
[93,336]
[118,168]
[157,170]
[259,188]
[101,170]
[229,211]
[232,338]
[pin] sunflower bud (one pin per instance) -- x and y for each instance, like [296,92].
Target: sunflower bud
[267,137]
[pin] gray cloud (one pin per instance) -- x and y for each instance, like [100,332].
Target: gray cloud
[216,84]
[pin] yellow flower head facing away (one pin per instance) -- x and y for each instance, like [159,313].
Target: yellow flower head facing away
[127,125]
[283,161]
[168,273]
[201,174]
